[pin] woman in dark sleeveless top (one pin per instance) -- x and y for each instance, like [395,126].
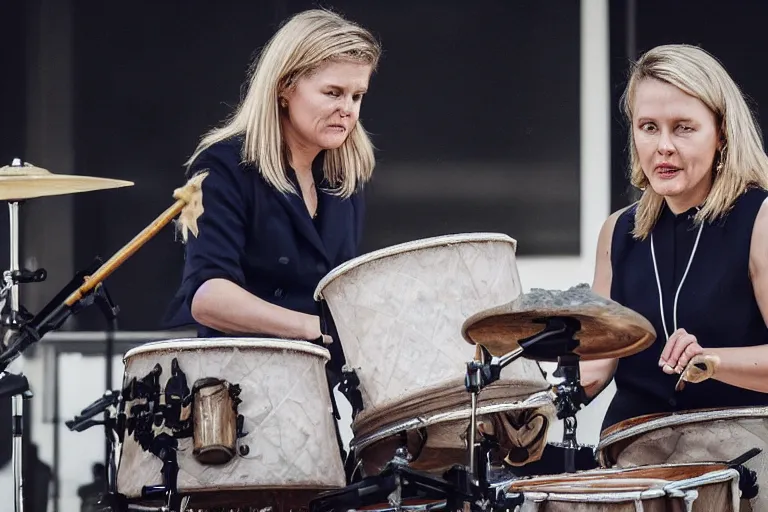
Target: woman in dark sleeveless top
[692,254]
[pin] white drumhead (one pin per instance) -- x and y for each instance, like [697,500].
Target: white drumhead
[183,344]
[415,245]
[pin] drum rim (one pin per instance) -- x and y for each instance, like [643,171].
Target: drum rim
[516,391]
[595,497]
[187,344]
[672,488]
[676,419]
[413,245]
[540,400]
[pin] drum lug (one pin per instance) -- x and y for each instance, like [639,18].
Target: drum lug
[349,388]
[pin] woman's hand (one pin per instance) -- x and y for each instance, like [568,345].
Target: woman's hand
[314,333]
[679,350]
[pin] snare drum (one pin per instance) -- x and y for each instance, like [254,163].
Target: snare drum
[399,311]
[718,435]
[662,488]
[252,418]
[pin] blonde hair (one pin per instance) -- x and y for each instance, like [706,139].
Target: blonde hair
[744,163]
[305,42]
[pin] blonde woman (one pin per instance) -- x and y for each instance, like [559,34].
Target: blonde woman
[692,254]
[282,201]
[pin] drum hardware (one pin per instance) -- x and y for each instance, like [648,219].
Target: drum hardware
[17,388]
[13,318]
[349,387]
[555,342]
[113,422]
[745,457]
[463,487]
[141,420]
[396,485]
[56,312]
[20,182]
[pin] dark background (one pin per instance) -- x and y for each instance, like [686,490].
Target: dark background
[474,111]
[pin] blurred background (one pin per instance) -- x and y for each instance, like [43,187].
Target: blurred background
[492,116]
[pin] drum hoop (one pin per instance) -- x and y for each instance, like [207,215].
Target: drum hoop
[189,344]
[537,400]
[714,477]
[415,245]
[678,419]
[515,392]
[596,497]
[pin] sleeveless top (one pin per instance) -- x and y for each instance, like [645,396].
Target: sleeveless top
[716,304]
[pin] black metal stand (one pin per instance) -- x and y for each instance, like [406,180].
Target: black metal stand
[396,485]
[113,424]
[27,330]
[110,310]
[555,342]
[468,487]
[17,388]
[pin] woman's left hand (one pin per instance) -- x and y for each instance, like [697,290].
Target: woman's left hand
[680,349]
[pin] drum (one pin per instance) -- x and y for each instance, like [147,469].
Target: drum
[661,488]
[438,440]
[251,419]
[399,311]
[714,435]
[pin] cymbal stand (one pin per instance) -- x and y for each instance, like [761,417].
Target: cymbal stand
[17,387]
[14,316]
[479,375]
[557,342]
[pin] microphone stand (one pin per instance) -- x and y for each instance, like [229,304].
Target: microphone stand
[110,311]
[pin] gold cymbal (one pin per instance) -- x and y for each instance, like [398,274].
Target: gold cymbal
[608,329]
[26,182]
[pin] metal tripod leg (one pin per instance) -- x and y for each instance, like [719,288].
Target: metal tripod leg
[18,436]
[18,448]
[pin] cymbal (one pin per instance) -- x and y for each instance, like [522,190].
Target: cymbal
[608,329]
[27,181]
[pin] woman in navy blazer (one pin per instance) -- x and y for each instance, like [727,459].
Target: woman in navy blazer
[282,200]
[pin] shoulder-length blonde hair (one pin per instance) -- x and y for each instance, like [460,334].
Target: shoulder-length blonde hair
[303,43]
[744,163]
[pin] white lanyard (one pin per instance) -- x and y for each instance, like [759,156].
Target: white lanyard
[680,286]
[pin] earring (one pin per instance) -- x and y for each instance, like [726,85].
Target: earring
[719,167]
[283,102]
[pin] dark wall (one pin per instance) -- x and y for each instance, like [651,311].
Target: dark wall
[474,111]
[12,138]
[734,32]
[12,101]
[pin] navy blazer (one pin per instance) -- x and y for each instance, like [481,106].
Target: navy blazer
[264,240]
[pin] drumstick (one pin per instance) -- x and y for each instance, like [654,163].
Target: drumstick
[698,369]
[189,194]
[189,204]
